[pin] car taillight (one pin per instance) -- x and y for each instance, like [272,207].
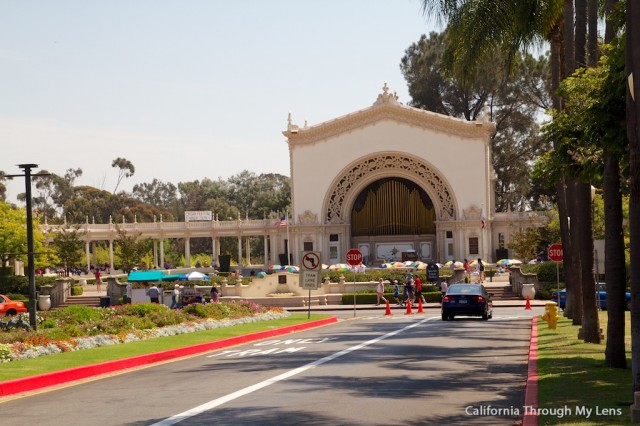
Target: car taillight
[446,299]
[478,298]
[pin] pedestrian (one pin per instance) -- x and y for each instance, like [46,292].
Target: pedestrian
[396,292]
[480,271]
[444,287]
[467,270]
[175,297]
[154,294]
[380,292]
[410,288]
[215,294]
[98,280]
[419,296]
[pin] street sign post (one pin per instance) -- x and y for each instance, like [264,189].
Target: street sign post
[311,273]
[556,253]
[354,258]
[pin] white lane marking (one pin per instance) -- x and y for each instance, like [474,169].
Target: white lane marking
[227,398]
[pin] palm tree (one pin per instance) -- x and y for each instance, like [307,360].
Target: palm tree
[633,134]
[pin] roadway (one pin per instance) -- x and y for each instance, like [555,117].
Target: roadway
[368,370]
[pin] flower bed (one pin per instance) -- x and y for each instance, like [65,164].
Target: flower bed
[80,327]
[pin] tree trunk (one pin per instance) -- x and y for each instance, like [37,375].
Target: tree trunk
[614,265]
[590,331]
[633,134]
[576,268]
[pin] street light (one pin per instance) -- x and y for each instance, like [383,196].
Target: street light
[30,250]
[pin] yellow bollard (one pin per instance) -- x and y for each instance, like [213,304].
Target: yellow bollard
[551,314]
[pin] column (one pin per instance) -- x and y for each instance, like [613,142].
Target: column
[162,253]
[155,253]
[187,252]
[88,255]
[214,256]
[266,251]
[111,255]
[239,251]
[247,251]
[95,253]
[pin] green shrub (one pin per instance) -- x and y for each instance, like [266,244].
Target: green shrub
[546,271]
[76,290]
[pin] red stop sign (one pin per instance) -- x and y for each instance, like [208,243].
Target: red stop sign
[354,257]
[555,252]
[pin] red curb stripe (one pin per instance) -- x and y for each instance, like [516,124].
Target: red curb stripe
[26,384]
[531,389]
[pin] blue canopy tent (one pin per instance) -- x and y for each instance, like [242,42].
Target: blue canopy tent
[141,276]
[174,277]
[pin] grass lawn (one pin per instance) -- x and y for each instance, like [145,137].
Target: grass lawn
[572,374]
[49,363]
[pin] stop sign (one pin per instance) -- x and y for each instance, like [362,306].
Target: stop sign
[555,252]
[354,257]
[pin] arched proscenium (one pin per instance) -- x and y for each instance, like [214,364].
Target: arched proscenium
[357,175]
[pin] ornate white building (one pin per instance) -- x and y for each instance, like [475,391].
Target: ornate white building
[390,179]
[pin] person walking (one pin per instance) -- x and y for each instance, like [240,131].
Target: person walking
[480,271]
[467,270]
[380,292]
[175,297]
[154,294]
[444,287]
[419,296]
[98,280]
[410,288]
[396,292]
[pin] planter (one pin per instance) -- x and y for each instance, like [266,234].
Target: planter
[528,290]
[44,302]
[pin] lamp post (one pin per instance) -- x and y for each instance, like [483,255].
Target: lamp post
[30,250]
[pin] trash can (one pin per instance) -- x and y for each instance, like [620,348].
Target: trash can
[105,302]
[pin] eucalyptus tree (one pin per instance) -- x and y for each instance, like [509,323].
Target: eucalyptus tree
[126,169]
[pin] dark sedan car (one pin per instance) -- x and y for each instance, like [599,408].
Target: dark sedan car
[467,300]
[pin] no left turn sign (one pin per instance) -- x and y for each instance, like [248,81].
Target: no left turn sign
[310,261]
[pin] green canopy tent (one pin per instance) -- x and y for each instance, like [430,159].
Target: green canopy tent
[141,276]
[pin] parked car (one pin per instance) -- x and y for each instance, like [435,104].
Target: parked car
[9,307]
[601,297]
[467,300]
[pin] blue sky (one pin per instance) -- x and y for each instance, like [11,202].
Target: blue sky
[187,89]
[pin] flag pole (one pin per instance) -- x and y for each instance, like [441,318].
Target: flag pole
[288,240]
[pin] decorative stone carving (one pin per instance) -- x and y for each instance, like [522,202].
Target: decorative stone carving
[336,210]
[308,218]
[472,213]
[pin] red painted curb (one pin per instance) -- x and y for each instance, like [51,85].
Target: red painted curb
[26,384]
[531,389]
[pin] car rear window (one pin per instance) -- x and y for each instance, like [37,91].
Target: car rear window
[465,289]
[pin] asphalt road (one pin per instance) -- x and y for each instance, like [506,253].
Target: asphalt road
[368,370]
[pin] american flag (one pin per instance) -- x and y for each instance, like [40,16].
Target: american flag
[282,221]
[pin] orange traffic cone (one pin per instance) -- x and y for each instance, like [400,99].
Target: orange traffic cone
[420,311]
[527,306]
[388,311]
[408,308]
